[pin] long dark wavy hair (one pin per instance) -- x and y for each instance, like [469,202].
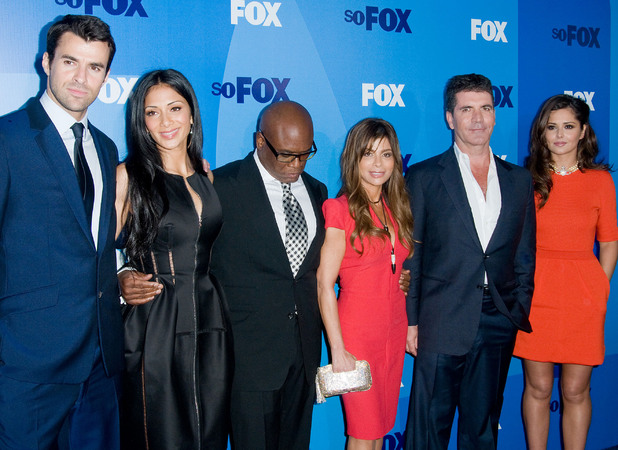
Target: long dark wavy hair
[361,138]
[540,156]
[146,199]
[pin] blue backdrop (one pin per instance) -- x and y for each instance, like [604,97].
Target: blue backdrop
[346,60]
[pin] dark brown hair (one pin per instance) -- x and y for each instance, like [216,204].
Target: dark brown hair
[360,139]
[89,28]
[540,156]
[461,83]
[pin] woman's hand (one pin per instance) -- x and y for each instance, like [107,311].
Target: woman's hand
[343,361]
[206,166]
[412,340]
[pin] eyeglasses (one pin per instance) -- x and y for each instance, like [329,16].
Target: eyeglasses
[290,157]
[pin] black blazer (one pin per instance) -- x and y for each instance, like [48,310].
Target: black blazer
[250,261]
[59,294]
[448,264]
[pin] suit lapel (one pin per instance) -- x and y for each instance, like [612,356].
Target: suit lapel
[453,182]
[506,193]
[260,210]
[316,244]
[54,150]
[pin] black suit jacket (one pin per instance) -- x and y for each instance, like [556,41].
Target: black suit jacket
[59,295]
[250,261]
[449,263]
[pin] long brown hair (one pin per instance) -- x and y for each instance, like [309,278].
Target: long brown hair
[360,138]
[540,156]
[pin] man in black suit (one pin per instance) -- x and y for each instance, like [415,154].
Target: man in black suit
[273,301]
[472,275]
[61,346]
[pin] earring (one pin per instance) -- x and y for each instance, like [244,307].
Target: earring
[191,130]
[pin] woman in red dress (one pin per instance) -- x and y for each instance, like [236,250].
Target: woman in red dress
[576,205]
[368,236]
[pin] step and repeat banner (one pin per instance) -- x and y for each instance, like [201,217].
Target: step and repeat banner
[346,60]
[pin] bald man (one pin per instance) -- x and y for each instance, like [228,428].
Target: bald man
[272,297]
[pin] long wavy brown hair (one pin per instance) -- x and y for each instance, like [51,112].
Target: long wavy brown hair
[361,138]
[540,156]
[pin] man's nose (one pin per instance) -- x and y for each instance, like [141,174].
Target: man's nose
[80,74]
[296,162]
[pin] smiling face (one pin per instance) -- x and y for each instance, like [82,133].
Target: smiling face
[472,120]
[168,118]
[562,135]
[76,74]
[376,166]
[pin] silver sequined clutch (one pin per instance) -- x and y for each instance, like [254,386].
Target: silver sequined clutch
[328,383]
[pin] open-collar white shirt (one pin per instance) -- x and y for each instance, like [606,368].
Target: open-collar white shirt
[485,208]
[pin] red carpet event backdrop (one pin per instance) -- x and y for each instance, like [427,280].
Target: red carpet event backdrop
[346,60]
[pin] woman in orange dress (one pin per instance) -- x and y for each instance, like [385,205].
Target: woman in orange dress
[368,236]
[576,205]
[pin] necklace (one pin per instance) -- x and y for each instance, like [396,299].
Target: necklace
[385,226]
[563,171]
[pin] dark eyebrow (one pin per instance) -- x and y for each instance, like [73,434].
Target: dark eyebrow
[72,58]
[170,103]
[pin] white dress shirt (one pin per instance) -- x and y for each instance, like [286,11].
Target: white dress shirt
[485,208]
[275,196]
[63,122]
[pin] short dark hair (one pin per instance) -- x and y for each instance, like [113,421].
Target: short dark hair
[470,82]
[89,28]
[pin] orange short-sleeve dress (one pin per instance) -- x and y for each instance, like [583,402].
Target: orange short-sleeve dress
[372,312]
[570,287]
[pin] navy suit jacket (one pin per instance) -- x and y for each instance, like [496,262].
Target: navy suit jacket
[250,261]
[449,263]
[59,295]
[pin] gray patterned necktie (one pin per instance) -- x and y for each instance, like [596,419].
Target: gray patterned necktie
[295,229]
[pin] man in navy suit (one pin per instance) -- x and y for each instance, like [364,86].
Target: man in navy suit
[61,341]
[472,275]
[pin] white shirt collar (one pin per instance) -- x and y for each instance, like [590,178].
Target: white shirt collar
[463,158]
[62,120]
[267,177]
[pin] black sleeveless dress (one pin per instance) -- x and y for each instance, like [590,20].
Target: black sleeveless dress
[178,347]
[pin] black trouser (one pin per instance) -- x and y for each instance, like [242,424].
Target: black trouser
[275,420]
[473,383]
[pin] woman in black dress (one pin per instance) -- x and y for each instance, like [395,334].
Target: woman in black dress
[178,346]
